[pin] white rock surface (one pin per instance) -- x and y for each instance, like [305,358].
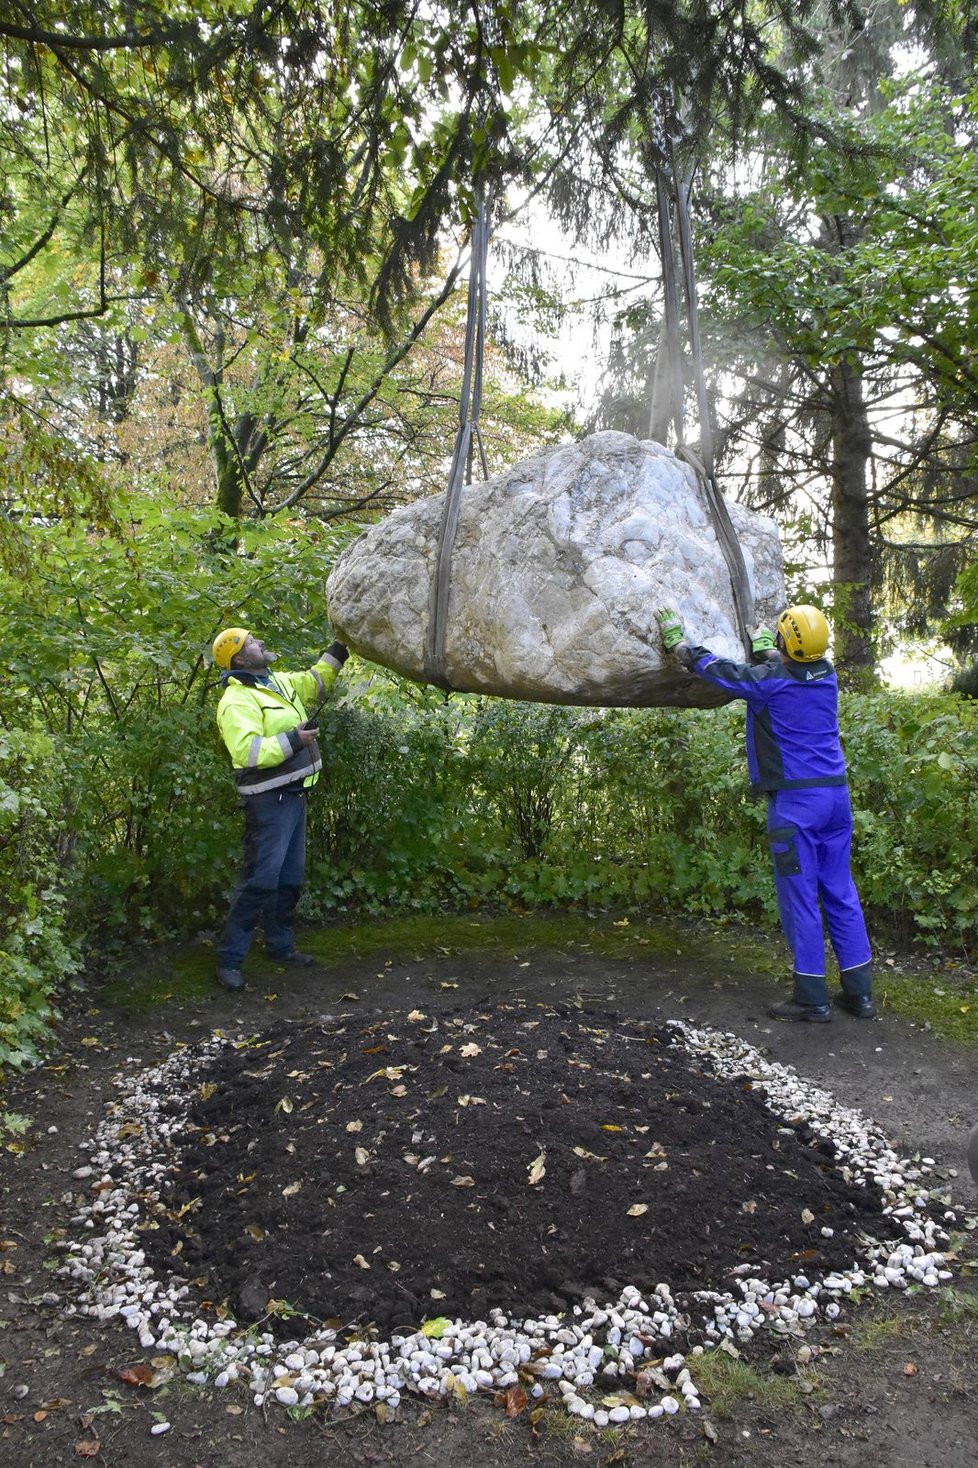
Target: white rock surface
[558,566]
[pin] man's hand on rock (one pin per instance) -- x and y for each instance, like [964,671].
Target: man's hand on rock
[670,628]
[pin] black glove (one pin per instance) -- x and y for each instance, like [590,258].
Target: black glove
[339,651]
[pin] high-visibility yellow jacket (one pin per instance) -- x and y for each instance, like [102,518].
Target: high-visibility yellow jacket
[259,719]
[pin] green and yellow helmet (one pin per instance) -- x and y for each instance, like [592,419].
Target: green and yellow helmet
[227,643]
[804,633]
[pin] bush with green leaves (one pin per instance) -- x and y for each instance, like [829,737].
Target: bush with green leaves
[36,953]
[108,655]
[914,772]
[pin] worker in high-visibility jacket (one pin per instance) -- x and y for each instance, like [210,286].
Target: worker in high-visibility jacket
[794,756]
[262,717]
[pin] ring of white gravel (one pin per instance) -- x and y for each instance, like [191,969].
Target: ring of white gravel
[603,1360]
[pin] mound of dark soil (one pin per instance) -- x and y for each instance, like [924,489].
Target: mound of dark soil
[515,1157]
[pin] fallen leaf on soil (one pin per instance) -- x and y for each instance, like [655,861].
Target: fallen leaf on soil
[515,1401]
[637,1209]
[90,1040]
[139,1375]
[471,1100]
[807,1216]
[434,1329]
[416,1015]
[537,1168]
[362,1156]
[256,1232]
[469,1050]
[359,1260]
[607,1126]
[464,1181]
[380,1412]
[291,1190]
[590,1156]
[39,1416]
[234,1411]
[437,1294]
[448,985]
[87,1448]
[207,1090]
[910,1369]
[399,1091]
[285,1105]
[710,1432]
[354,1126]
[349,996]
[7,1244]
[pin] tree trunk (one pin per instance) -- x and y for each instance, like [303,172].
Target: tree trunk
[852,553]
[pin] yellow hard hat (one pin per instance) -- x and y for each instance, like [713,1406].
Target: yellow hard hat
[804,632]
[227,643]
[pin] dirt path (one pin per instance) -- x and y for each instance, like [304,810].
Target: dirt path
[896,1383]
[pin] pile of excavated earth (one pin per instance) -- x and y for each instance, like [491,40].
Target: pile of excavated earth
[530,1199]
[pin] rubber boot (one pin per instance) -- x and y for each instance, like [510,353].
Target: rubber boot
[809,1002]
[856,994]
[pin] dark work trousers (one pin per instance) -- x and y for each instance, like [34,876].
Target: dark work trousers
[810,832]
[271,875]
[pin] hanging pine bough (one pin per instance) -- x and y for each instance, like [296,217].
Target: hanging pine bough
[556,570]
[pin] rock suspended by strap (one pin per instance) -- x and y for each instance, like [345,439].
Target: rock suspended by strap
[557,568]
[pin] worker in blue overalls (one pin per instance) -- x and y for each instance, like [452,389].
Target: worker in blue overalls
[794,755]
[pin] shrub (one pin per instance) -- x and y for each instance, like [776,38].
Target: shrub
[35,954]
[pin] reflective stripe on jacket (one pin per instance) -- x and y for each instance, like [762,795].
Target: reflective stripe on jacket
[259,725]
[793,738]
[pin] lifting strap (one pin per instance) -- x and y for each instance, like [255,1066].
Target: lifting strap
[703,464]
[467,439]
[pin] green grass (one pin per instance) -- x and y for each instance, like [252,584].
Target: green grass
[188,974]
[958,1308]
[725,1382]
[873,1331]
[947,1003]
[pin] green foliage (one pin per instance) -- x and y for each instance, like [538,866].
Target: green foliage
[35,950]
[915,789]
[106,655]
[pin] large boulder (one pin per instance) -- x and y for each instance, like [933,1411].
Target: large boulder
[557,568]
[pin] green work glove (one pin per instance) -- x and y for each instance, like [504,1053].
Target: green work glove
[762,640]
[670,628]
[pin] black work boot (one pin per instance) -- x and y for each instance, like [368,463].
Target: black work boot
[863,1006]
[791,1009]
[231,979]
[856,994]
